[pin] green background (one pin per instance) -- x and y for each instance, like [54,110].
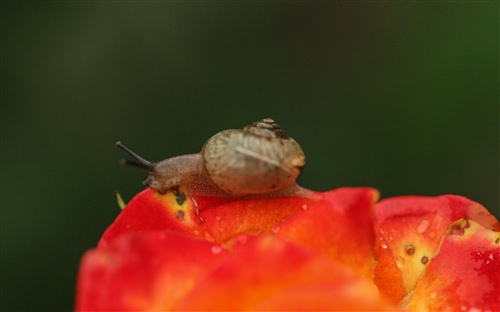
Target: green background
[402,97]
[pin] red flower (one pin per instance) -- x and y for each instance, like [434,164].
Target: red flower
[335,251]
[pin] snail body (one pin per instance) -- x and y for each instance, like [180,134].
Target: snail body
[257,160]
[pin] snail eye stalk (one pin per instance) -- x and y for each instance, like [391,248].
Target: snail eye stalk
[139,163]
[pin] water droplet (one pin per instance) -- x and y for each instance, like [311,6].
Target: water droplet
[209,237]
[180,214]
[217,218]
[425,260]
[240,240]
[196,232]
[276,229]
[497,240]
[410,249]
[423,226]
[490,256]
[216,249]
[432,234]
[221,230]
[384,244]
[476,255]
[391,237]
[400,262]
[304,206]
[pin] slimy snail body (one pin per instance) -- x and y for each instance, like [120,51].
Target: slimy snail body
[258,160]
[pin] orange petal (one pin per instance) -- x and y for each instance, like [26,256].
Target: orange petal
[219,220]
[412,228]
[340,226]
[465,274]
[266,273]
[150,211]
[255,216]
[159,271]
[150,271]
[388,276]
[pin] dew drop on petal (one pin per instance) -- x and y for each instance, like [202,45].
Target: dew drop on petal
[221,230]
[196,232]
[216,249]
[209,237]
[432,234]
[476,255]
[217,218]
[276,229]
[425,260]
[384,244]
[240,240]
[304,206]
[423,226]
[400,262]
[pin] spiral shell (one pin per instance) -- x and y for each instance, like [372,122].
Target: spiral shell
[257,159]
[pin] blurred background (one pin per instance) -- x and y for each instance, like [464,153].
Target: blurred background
[402,97]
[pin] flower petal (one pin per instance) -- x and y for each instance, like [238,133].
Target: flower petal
[266,273]
[158,271]
[219,220]
[340,226]
[411,228]
[149,271]
[465,274]
[388,277]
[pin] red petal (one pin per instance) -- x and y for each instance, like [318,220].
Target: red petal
[150,271]
[340,226]
[149,211]
[465,274]
[411,228]
[388,276]
[169,271]
[266,273]
[223,219]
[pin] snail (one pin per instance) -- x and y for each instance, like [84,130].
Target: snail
[258,160]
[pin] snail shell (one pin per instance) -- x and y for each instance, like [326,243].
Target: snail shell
[258,159]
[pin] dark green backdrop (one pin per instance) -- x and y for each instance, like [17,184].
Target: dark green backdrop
[399,96]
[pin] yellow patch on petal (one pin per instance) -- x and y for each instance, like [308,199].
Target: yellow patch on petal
[464,275]
[413,227]
[177,203]
[414,246]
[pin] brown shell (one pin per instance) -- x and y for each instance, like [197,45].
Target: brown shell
[256,159]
